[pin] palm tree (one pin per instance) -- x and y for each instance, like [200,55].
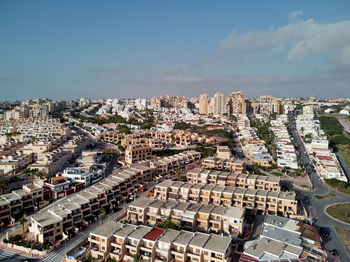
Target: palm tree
[23,220]
[137,257]
[3,186]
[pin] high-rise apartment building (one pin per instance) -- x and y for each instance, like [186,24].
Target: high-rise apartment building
[237,103]
[267,105]
[203,104]
[218,105]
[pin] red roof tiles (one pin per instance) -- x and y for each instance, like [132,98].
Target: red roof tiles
[154,233]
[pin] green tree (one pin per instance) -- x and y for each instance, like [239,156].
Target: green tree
[178,171]
[3,185]
[169,224]
[147,125]
[137,257]
[123,129]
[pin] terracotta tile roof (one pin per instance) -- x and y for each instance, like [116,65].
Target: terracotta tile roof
[57,178]
[154,233]
[328,158]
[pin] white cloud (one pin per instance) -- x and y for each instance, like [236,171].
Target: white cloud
[295,14]
[301,39]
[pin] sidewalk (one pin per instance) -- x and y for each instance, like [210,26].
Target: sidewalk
[20,252]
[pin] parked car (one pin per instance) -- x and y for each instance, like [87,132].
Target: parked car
[335,252]
[325,232]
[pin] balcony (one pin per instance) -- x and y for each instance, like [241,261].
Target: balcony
[94,247]
[93,240]
[160,258]
[116,245]
[146,257]
[117,251]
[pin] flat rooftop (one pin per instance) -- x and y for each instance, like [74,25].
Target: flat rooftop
[181,206]
[165,183]
[281,235]
[199,240]
[125,230]
[206,209]
[107,229]
[46,219]
[140,232]
[219,210]
[217,244]
[183,238]
[169,236]
[141,203]
[234,212]
[267,249]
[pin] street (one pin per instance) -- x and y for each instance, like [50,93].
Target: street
[316,207]
[13,257]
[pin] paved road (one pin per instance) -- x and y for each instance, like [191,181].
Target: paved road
[316,207]
[12,257]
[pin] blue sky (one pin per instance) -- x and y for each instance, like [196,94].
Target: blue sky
[69,49]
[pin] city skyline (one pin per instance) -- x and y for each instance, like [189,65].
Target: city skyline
[68,50]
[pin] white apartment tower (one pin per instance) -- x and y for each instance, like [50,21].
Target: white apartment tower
[203,104]
[218,104]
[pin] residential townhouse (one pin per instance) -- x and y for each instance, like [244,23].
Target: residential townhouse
[272,202]
[46,227]
[120,238]
[286,154]
[154,143]
[202,176]
[12,164]
[107,194]
[149,244]
[101,238]
[165,241]
[137,153]
[5,212]
[27,199]
[252,147]
[134,243]
[35,127]
[157,140]
[174,163]
[191,216]
[51,162]
[157,244]
[232,164]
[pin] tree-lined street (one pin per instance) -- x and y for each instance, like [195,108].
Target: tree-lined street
[316,207]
